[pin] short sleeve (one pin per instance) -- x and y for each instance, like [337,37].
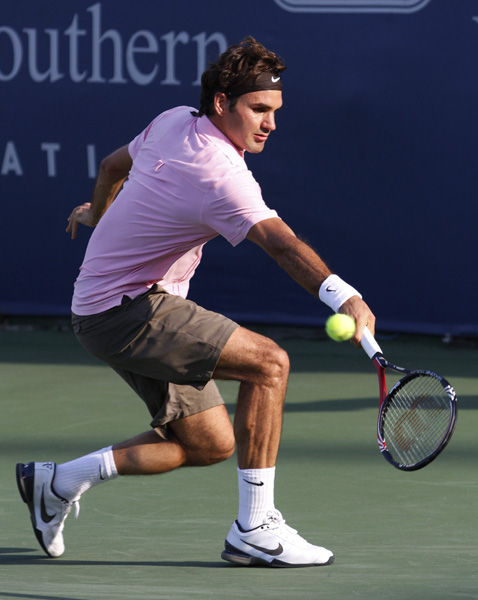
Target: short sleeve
[236,206]
[135,145]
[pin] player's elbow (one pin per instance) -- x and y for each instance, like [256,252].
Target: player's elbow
[116,165]
[109,169]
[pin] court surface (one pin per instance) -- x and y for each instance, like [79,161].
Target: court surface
[395,535]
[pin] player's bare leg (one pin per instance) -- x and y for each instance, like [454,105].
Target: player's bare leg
[260,535]
[262,367]
[199,440]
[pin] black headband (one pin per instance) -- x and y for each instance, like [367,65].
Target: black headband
[264,81]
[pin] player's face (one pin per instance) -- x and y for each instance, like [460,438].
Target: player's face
[249,123]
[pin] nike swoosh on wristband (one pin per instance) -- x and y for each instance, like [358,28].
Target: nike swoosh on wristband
[329,288]
[271,552]
[253,482]
[46,518]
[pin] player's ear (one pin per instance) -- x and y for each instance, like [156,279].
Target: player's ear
[220,103]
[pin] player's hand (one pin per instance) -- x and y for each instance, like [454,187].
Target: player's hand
[356,308]
[81,214]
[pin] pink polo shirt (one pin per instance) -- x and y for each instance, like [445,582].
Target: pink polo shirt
[188,184]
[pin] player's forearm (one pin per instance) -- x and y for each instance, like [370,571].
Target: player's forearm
[296,257]
[105,191]
[114,169]
[303,264]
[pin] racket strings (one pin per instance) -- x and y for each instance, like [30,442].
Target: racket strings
[416,419]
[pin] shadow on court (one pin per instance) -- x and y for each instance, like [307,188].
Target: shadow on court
[36,596]
[19,557]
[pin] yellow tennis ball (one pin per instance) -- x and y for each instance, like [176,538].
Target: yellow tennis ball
[340,327]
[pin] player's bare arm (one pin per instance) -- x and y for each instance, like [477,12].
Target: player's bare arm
[292,254]
[113,171]
[305,266]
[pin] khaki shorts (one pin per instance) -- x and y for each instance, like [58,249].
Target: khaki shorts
[166,348]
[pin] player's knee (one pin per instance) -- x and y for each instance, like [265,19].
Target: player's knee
[225,445]
[216,451]
[283,362]
[276,366]
[214,455]
[223,450]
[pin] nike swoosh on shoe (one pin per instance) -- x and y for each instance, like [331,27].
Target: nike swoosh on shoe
[44,515]
[271,552]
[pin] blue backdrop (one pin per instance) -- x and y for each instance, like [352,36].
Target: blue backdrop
[374,158]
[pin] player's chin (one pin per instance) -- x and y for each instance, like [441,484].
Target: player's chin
[256,147]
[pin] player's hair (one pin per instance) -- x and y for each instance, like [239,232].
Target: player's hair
[239,65]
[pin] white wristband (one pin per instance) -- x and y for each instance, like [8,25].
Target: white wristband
[334,292]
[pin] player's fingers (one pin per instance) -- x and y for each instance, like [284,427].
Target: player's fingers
[70,220]
[365,320]
[73,227]
[357,336]
[369,322]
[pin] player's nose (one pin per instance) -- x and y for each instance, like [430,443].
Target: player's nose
[269,123]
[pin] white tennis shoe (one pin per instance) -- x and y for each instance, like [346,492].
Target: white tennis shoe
[48,510]
[273,544]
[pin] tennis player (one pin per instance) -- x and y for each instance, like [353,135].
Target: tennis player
[157,201]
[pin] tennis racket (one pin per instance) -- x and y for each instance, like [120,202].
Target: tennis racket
[416,419]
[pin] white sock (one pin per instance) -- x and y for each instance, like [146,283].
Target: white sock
[75,477]
[256,496]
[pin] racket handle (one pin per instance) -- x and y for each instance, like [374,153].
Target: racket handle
[369,343]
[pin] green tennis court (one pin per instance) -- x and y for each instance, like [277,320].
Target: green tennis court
[394,534]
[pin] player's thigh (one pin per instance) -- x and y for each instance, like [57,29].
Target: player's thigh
[249,356]
[209,431]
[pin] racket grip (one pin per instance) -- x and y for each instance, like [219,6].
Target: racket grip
[369,343]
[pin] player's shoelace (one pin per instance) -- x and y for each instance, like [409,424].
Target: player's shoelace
[275,520]
[64,509]
[67,508]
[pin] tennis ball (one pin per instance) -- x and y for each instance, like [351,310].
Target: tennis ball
[340,327]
